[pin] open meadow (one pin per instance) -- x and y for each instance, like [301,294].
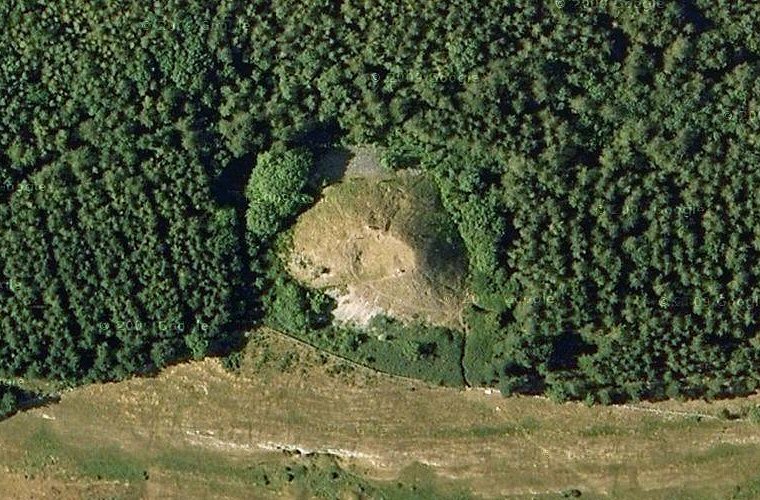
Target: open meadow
[298,423]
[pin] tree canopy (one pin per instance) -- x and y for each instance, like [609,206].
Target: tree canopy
[599,159]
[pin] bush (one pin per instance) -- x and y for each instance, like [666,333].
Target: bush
[8,403]
[480,361]
[232,361]
[276,190]
[292,308]
[753,414]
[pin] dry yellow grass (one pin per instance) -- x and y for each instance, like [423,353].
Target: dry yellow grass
[290,397]
[367,243]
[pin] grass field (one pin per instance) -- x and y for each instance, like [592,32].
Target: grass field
[297,423]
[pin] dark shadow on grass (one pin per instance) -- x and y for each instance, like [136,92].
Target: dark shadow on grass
[27,400]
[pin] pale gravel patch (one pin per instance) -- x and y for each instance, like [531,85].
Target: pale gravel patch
[354,309]
[672,413]
[207,439]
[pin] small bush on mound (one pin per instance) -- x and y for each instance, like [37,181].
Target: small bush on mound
[292,308]
[275,190]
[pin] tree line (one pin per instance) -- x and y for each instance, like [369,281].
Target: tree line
[120,131]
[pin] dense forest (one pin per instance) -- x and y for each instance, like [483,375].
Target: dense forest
[600,160]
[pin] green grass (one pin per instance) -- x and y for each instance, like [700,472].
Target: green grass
[44,448]
[418,351]
[527,425]
[722,452]
[204,463]
[315,476]
[749,490]
[112,464]
[601,430]
[650,425]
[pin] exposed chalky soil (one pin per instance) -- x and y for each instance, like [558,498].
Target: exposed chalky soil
[382,244]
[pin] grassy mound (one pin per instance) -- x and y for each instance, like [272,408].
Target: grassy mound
[382,244]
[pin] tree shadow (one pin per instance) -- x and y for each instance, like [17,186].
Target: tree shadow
[331,167]
[321,139]
[27,400]
[228,189]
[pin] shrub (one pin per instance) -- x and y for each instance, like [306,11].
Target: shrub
[276,190]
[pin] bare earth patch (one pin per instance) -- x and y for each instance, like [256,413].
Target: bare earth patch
[382,245]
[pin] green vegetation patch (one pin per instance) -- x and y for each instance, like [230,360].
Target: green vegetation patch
[420,351]
[44,449]
[412,350]
[748,490]
[12,398]
[311,476]
[322,477]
